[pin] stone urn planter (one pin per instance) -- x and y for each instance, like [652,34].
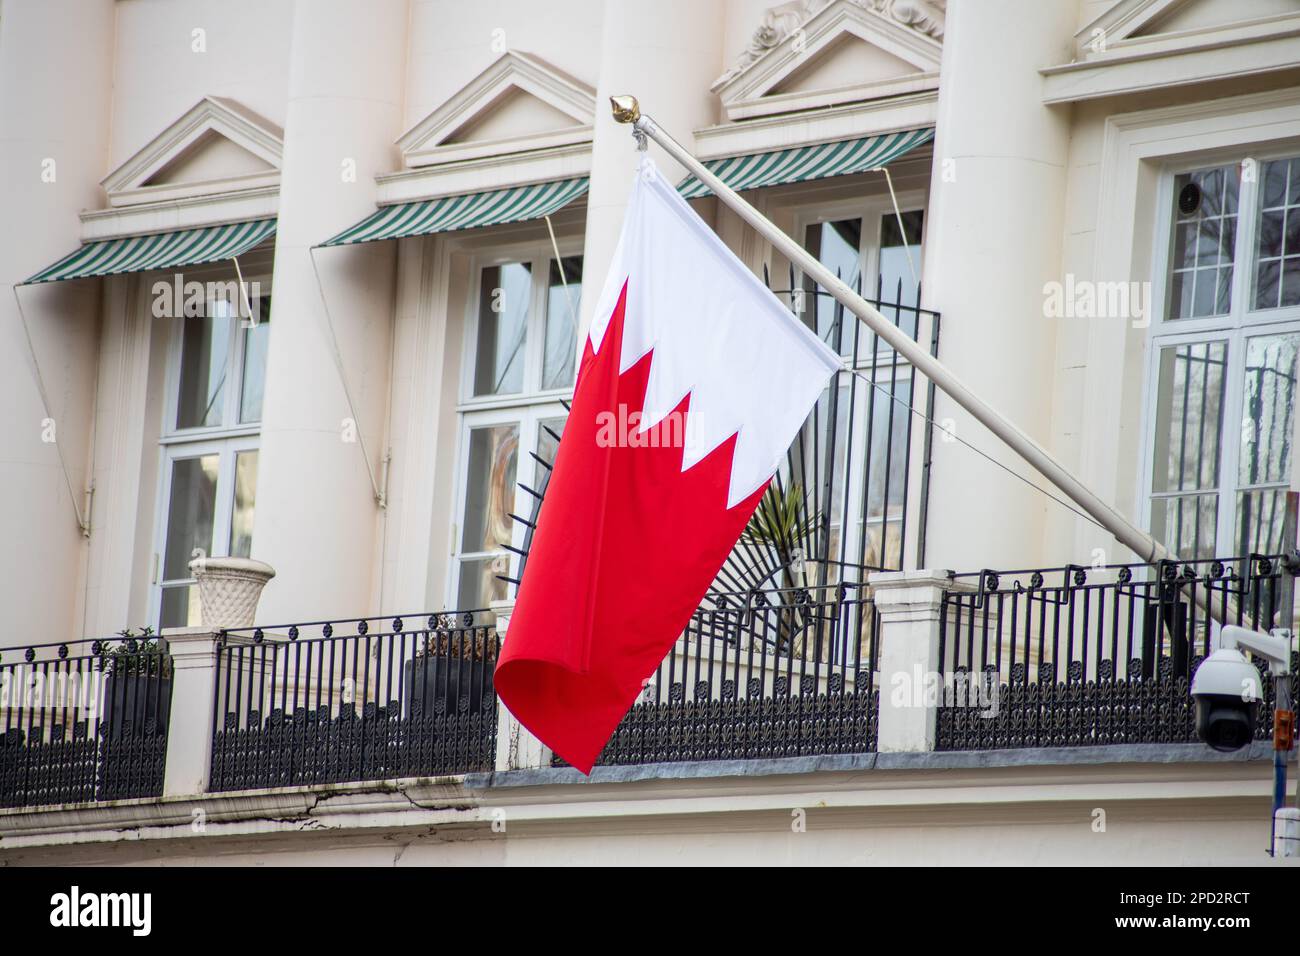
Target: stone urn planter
[229,589]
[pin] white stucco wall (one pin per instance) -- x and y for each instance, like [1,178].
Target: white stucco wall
[1071,815]
[1027,206]
[1017,193]
[55,128]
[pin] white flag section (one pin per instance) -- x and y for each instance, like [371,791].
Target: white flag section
[751,366]
[713,378]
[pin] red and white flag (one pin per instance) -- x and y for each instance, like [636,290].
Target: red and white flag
[693,384]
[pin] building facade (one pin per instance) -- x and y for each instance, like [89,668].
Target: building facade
[304,282]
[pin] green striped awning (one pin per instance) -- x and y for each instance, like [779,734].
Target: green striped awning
[449,213]
[162,250]
[804,163]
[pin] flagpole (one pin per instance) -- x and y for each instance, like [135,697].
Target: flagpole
[627,110]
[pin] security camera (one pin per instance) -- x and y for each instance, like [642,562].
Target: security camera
[1227,686]
[1227,692]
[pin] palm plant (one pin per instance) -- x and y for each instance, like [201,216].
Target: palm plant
[777,530]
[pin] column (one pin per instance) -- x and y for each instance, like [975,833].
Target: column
[317,521]
[994,237]
[667,54]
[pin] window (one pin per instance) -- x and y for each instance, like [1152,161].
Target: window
[865,513]
[523,348]
[217,370]
[1224,353]
[890,259]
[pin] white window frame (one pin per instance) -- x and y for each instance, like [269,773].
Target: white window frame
[873,210]
[527,408]
[227,440]
[1242,322]
[538,258]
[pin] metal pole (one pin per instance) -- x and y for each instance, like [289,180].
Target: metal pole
[1147,548]
[1284,699]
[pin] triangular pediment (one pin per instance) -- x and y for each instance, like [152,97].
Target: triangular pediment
[212,156]
[1208,14]
[217,146]
[815,53]
[843,63]
[519,103]
[1136,20]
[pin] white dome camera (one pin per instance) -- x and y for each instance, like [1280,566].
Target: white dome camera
[1228,689]
[1227,692]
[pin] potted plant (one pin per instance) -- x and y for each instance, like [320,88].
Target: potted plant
[451,666]
[137,685]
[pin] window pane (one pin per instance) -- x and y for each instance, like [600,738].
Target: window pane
[889,421]
[1291,281]
[241,515]
[1186,524]
[876,481]
[1268,409]
[1273,192]
[1277,244]
[180,606]
[1260,515]
[806,471]
[504,294]
[900,254]
[490,488]
[837,246]
[547,446]
[884,545]
[190,512]
[256,337]
[1264,462]
[1189,416]
[562,306]
[1267,284]
[479,584]
[205,347]
[1204,238]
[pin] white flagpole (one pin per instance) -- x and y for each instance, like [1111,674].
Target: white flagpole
[1147,548]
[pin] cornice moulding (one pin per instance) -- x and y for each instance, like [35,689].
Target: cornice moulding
[186,213]
[483,173]
[790,130]
[1194,56]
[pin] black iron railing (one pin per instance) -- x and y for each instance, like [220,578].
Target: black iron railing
[776,673]
[838,505]
[837,508]
[364,699]
[83,720]
[1078,656]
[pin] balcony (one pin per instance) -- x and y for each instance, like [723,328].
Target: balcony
[84,721]
[910,661]
[365,699]
[1081,656]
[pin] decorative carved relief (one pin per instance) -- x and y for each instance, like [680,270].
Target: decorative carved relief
[779,22]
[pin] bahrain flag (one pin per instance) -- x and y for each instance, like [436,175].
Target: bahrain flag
[693,383]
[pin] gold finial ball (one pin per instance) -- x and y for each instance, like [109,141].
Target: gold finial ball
[625,109]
